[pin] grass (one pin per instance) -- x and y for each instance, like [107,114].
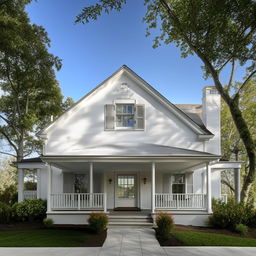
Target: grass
[43,238]
[189,238]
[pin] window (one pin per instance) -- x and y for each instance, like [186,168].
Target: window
[125,115]
[126,186]
[122,116]
[178,184]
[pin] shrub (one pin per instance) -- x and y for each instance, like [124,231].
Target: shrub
[48,223]
[5,213]
[98,222]
[228,215]
[34,209]
[165,224]
[252,222]
[241,229]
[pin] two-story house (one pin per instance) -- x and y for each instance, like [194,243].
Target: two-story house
[128,151]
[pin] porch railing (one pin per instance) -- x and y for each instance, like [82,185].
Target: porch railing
[180,201]
[224,198]
[78,201]
[30,194]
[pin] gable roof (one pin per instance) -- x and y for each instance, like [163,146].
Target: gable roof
[196,125]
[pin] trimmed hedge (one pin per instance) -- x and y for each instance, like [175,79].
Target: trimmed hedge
[165,224]
[29,210]
[98,222]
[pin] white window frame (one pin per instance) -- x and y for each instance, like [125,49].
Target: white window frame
[125,114]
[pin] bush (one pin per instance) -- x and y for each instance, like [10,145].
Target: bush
[48,223]
[228,215]
[34,209]
[241,229]
[165,224]
[5,213]
[252,222]
[98,222]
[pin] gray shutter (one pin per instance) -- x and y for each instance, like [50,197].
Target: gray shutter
[140,117]
[109,116]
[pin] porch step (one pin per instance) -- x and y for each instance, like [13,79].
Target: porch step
[130,220]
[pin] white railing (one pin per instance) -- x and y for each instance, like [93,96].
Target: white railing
[224,198]
[30,194]
[78,201]
[180,201]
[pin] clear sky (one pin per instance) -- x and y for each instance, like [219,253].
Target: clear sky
[94,51]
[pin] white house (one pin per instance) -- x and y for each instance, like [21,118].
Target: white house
[126,150]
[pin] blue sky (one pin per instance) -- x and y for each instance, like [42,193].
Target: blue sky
[93,51]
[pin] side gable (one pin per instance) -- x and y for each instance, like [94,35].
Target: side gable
[195,125]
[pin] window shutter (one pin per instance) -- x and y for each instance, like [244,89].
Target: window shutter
[140,117]
[109,117]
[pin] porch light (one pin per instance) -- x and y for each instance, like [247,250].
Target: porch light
[110,181]
[145,180]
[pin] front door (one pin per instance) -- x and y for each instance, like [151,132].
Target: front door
[125,190]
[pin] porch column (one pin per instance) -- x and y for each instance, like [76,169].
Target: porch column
[153,182]
[20,185]
[237,184]
[49,188]
[209,188]
[38,184]
[91,178]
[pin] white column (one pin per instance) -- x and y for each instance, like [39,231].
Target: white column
[237,184]
[38,184]
[20,185]
[91,178]
[209,188]
[49,188]
[105,191]
[153,182]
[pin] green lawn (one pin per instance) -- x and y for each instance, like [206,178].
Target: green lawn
[43,238]
[211,239]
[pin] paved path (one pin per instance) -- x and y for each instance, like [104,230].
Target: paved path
[132,242]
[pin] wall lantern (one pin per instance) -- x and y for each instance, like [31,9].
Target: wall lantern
[145,180]
[110,181]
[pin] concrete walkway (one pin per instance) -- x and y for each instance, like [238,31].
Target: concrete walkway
[132,242]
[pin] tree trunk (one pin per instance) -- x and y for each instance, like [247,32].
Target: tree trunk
[249,146]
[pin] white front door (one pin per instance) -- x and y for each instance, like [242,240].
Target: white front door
[125,195]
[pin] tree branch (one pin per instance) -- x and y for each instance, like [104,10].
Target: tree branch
[244,84]
[231,75]
[228,185]
[10,142]
[9,154]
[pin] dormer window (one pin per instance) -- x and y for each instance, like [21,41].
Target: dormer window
[124,116]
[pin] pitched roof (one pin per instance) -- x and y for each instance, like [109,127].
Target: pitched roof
[183,115]
[139,150]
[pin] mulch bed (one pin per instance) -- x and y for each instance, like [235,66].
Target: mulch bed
[94,240]
[20,226]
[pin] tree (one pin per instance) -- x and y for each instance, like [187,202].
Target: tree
[9,180]
[222,33]
[232,146]
[31,93]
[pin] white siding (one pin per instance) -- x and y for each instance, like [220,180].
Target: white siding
[83,126]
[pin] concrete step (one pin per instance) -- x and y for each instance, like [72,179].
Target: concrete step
[131,220]
[130,224]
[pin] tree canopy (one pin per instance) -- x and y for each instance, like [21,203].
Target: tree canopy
[30,91]
[222,33]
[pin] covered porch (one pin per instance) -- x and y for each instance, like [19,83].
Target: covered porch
[118,184]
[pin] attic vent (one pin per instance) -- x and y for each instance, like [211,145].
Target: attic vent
[124,86]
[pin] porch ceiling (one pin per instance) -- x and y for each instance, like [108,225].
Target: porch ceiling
[182,166]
